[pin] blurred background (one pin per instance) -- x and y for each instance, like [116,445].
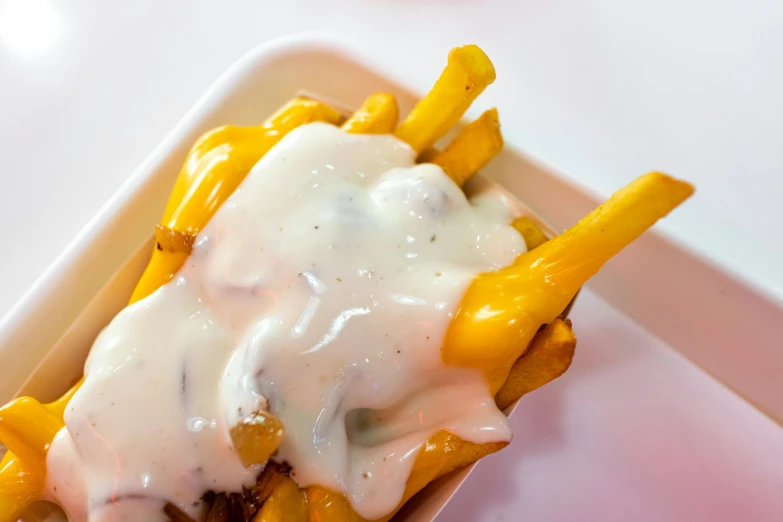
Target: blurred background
[604,90]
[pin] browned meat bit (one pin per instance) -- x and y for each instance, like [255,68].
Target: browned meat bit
[235,507]
[266,483]
[220,510]
[175,514]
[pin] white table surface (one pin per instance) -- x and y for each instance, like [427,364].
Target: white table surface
[603,90]
[631,433]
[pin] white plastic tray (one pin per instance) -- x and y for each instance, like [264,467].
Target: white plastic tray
[634,431]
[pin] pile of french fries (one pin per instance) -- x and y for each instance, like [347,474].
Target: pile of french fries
[508,324]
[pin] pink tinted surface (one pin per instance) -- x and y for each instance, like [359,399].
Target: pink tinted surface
[632,432]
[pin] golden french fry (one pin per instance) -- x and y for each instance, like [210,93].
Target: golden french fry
[467,74]
[530,231]
[257,437]
[547,358]
[20,483]
[501,311]
[27,429]
[442,454]
[472,148]
[377,115]
[325,505]
[228,153]
[214,168]
[273,475]
[427,155]
[172,240]
[19,487]
[287,503]
[570,259]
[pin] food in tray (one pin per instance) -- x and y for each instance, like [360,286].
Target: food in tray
[326,324]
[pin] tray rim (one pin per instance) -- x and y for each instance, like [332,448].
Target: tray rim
[102,223]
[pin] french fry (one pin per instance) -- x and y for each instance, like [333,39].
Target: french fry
[472,148]
[546,359]
[377,115]
[228,153]
[530,231]
[215,167]
[173,241]
[502,310]
[257,437]
[27,429]
[160,270]
[20,483]
[287,503]
[467,74]
[271,477]
[427,155]
[327,506]
[442,454]
[573,257]
[20,486]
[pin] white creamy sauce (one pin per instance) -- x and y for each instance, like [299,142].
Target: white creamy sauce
[321,290]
